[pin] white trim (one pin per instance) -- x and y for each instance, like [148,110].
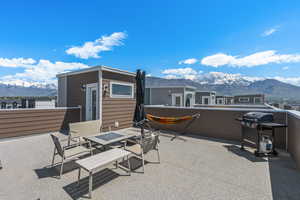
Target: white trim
[174,95]
[192,103]
[223,108]
[87,96]
[96,68]
[100,96]
[150,96]
[247,101]
[154,87]
[121,96]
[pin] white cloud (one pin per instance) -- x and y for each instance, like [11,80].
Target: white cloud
[92,49]
[290,80]
[189,61]
[42,72]
[16,62]
[285,68]
[256,59]
[270,31]
[186,73]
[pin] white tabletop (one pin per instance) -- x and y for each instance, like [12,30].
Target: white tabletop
[99,160]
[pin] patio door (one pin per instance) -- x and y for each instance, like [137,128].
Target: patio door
[92,102]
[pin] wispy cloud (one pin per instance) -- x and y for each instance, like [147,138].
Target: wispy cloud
[185,73]
[16,62]
[92,49]
[41,72]
[189,61]
[252,60]
[285,68]
[270,31]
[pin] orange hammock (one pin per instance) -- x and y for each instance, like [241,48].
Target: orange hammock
[171,120]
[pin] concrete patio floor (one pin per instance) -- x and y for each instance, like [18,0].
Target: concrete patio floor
[200,168]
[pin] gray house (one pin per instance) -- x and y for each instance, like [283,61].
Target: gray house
[249,99]
[170,95]
[224,100]
[205,97]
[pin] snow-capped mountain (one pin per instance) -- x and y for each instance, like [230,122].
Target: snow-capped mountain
[234,85]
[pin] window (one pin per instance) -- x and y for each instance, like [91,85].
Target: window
[121,90]
[244,99]
[257,100]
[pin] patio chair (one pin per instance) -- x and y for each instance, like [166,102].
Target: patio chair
[69,152]
[143,146]
[78,130]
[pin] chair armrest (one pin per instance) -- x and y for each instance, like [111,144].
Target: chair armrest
[77,144]
[133,141]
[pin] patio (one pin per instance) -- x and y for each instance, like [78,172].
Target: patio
[200,168]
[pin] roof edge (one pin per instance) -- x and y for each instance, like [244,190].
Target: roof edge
[96,68]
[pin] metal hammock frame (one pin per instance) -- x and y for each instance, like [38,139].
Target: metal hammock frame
[173,121]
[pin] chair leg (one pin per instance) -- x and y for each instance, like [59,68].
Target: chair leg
[129,167]
[53,158]
[61,167]
[143,160]
[79,172]
[158,156]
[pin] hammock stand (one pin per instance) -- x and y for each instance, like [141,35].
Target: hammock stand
[173,121]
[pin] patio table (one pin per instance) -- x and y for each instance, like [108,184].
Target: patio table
[110,137]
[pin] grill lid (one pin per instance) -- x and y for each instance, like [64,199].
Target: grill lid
[258,117]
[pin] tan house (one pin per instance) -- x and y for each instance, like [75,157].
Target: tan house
[102,93]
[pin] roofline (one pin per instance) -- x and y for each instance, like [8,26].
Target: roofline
[258,94]
[96,68]
[206,91]
[187,86]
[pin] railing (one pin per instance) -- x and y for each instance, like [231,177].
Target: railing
[220,123]
[20,122]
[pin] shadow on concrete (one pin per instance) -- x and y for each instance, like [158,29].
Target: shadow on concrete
[135,164]
[100,178]
[49,171]
[244,153]
[284,178]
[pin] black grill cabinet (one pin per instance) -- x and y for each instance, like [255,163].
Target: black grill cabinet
[261,121]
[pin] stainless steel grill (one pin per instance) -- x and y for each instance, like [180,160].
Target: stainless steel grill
[264,125]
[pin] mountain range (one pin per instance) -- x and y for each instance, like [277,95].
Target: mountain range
[14,90]
[274,90]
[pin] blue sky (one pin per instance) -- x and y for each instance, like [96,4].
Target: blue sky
[175,39]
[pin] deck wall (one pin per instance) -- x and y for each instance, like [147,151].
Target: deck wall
[21,122]
[294,137]
[216,122]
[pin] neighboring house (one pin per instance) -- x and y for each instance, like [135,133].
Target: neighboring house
[10,103]
[224,100]
[205,97]
[45,103]
[170,96]
[102,92]
[249,99]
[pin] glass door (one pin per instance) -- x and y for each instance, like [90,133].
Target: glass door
[92,102]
